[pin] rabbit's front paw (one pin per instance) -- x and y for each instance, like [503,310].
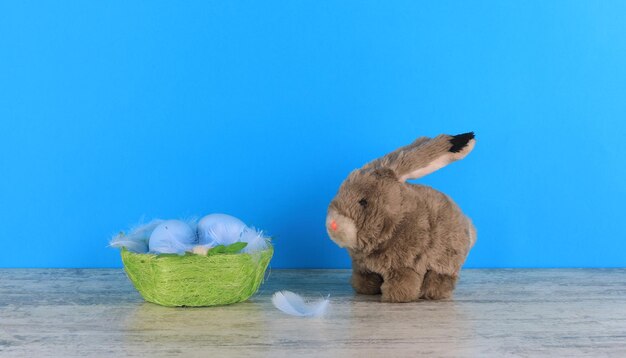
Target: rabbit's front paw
[438,286]
[402,286]
[366,283]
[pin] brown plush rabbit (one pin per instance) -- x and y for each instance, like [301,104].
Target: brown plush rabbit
[407,241]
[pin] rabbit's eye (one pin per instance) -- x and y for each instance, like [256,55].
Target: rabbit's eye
[363,202]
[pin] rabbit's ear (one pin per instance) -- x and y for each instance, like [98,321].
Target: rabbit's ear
[428,155]
[391,157]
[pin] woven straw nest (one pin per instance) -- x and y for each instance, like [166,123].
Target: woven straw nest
[196,280]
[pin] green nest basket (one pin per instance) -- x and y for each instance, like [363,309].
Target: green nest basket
[196,280]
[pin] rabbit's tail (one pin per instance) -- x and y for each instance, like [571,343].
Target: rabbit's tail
[471,233]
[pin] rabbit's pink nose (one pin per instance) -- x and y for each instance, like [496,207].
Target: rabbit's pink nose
[333,225]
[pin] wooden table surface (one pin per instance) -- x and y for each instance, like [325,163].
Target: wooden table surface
[97,313]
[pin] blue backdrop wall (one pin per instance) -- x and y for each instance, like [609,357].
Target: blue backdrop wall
[121,110]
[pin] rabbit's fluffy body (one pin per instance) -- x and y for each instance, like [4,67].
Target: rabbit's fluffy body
[406,241]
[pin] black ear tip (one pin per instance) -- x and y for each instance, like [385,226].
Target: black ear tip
[459,141]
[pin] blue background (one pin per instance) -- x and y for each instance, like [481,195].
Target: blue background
[114,111]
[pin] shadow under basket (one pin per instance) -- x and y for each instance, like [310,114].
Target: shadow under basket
[196,280]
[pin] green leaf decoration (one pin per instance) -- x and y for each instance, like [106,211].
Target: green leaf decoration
[219,249]
[235,248]
[230,249]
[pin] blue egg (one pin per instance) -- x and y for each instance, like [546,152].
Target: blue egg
[172,237]
[219,229]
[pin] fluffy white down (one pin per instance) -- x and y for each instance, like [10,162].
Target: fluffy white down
[255,240]
[137,238]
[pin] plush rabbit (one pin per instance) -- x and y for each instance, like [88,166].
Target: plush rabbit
[406,241]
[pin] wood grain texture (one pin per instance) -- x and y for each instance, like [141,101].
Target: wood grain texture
[521,313]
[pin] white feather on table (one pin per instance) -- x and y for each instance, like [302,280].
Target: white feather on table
[293,304]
